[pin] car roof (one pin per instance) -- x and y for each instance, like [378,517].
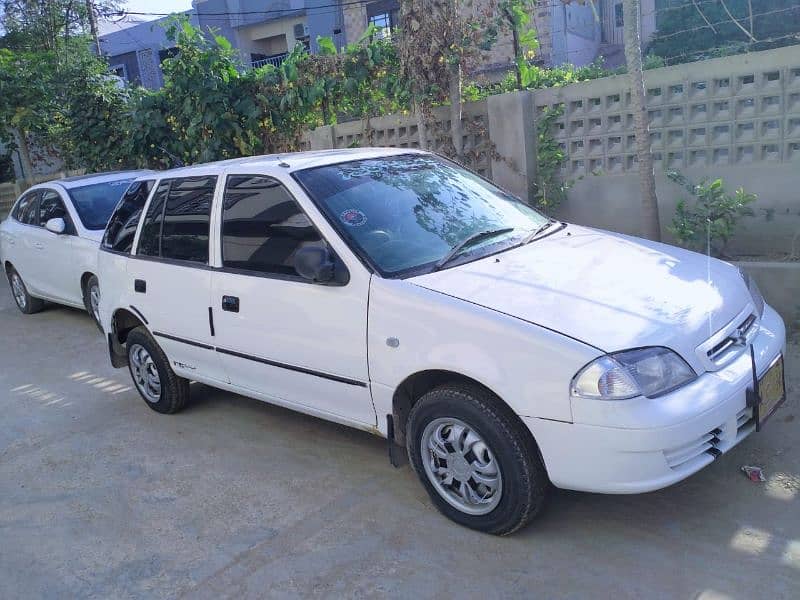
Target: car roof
[92,178]
[289,162]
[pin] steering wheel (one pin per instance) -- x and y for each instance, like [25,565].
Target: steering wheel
[378,237]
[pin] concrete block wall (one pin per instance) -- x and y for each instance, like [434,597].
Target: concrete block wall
[737,118]
[8,194]
[401,131]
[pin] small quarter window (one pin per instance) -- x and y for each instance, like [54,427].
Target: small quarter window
[187,218]
[263,227]
[150,238]
[123,223]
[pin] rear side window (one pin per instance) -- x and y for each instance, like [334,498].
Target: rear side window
[123,223]
[263,227]
[27,209]
[178,220]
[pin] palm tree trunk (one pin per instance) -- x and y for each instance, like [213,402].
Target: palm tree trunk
[422,127]
[650,223]
[456,127]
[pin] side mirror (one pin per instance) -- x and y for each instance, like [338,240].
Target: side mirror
[57,225]
[314,263]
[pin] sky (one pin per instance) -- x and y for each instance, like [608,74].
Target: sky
[145,6]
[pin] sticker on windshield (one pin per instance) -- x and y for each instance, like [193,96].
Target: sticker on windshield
[353,217]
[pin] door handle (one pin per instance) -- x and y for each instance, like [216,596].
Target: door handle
[230,304]
[140,286]
[38,245]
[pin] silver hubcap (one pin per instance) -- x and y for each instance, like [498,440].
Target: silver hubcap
[461,466]
[94,301]
[145,373]
[18,289]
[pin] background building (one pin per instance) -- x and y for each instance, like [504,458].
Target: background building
[265,31]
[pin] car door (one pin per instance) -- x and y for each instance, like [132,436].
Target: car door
[169,276]
[279,335]
[16,249]
[54,271]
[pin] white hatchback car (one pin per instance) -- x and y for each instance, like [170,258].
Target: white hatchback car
[48,243]
[393,291]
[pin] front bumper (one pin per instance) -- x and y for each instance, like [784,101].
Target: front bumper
[625,460]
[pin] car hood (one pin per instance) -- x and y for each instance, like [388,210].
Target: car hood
[608,290]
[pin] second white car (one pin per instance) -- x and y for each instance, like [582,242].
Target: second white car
[49,241]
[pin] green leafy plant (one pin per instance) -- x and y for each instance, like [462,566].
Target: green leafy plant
[549,188]
[709,221]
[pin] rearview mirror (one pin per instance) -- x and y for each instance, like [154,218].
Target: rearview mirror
[57,225]
[316,264]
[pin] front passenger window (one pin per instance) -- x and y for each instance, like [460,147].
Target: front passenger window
[51,207]
[263,226]
[123,223]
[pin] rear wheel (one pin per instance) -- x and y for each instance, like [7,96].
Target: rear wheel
[477,462]
[91,299]
[155,380]
[25,302]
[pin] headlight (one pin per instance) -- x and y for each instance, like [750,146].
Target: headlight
[755,293]
[641,372]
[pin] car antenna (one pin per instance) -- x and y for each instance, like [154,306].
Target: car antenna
[177,162]
[282,163]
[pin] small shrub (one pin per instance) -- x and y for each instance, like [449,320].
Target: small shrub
[709,221]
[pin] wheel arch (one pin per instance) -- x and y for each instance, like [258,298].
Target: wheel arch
[85,280]
[413,387]
[123,322]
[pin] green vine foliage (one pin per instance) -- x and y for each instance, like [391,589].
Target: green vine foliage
[709,221]
[212,107]
[549,188]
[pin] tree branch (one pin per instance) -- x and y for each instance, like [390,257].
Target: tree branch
[705,18]
[733,19]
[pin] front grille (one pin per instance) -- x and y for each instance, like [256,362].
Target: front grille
[733,343]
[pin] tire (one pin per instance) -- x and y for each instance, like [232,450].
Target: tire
[505,455]
[147,364]
[26,303]
[91,299]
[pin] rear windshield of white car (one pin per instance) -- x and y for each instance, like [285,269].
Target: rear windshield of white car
[96,202]
[412,213]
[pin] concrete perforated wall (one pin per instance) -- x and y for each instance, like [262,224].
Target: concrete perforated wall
[737,118]
[400,131]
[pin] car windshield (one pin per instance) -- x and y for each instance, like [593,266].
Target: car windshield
[96,202]
[407,213]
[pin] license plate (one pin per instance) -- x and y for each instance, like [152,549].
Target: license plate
[771,390]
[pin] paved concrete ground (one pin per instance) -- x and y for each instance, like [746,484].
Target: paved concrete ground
[102,497]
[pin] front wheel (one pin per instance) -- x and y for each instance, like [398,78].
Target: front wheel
[26,303]
[477,462]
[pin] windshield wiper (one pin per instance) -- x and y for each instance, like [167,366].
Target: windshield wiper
[535,233]
[475,237]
